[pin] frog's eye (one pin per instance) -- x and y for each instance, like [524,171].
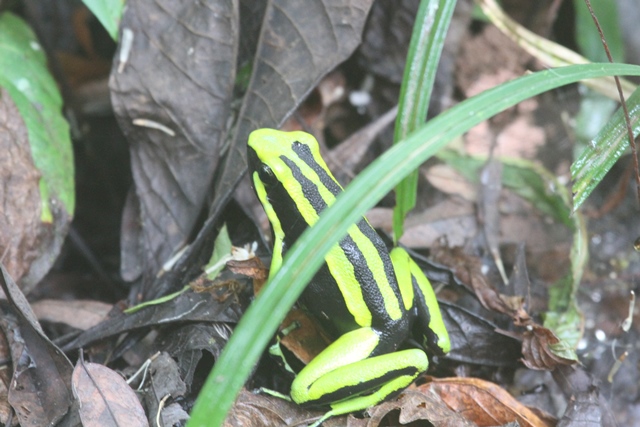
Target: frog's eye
[266,175]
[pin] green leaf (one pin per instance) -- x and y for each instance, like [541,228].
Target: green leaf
[220,255]
[427,40]
[604,151]
[527,179]
[108,12]
[26,77]
[588,36]
[305,257]
[563,316]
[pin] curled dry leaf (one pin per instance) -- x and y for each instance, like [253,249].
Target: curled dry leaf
[416,405]
[483,402]
[253,268]
[469,270]
[105,398]
[538,349]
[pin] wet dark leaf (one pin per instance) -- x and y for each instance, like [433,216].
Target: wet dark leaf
[105,398]
[384,49]
[179,74]
[165,381]
[475,340]
[186,343]
[583,411]
[188,307]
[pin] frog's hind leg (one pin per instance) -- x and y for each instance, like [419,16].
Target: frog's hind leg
[345,377]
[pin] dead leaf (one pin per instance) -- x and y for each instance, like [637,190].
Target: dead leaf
[166,381]
[417,405]
[469,270]
[79,314]
[253,268]
[178,74]
[188,306]
[40,391]
[259,410]
[483,402]
[453,218]
[450,181]
[105,398]
[20,225]
[537,349]
[5,380]
[489,212]
[583,411]
[307,339]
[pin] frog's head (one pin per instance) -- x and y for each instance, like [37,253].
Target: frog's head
[291,180]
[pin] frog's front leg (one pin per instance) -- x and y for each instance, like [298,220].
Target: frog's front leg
[345,369]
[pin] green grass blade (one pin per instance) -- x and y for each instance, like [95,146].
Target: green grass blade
[605,149]
[257,326]
[426,45]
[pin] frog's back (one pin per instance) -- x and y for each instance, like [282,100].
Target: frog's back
[357,286]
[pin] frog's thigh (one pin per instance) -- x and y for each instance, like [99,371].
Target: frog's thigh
[345,368]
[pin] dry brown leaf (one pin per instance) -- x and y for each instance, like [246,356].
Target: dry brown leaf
[536,350]
[416,405]
[469,270]
[449,181]
[483,402]
[253,268]
[79,314]
[20,225]
[253,410]
[105,398]
[306,340]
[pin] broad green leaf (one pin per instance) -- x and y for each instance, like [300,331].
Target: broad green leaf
[26,77]
[108,13]
[427,40]
[305,257]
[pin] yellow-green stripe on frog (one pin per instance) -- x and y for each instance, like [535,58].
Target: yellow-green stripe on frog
[373,302]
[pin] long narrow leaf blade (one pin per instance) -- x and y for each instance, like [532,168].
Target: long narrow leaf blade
[425,49]
[604,151]
[305,257]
